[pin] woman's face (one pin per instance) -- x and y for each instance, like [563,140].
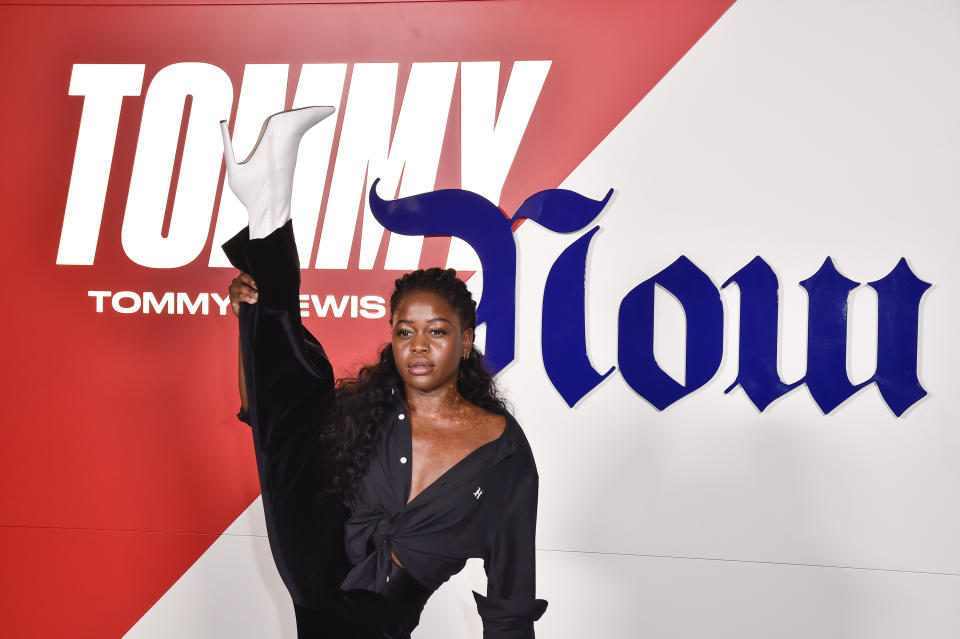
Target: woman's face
[428,341]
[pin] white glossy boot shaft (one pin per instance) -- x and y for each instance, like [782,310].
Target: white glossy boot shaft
[264,181]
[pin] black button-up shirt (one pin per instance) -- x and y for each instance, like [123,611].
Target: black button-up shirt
[484,506]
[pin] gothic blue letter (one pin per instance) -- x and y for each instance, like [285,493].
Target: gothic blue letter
[826,377]
[482,225]
[898,301]
[564,341]
[759,310]
[479,223]
[704,348]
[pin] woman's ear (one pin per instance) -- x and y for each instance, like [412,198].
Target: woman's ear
[467,343]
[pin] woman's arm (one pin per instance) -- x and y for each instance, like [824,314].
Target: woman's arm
[242,290]
[510,607]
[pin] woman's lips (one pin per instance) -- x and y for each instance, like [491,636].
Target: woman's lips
[420,367]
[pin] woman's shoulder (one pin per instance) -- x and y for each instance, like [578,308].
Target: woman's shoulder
[490,424]
[501,426]
[518,445]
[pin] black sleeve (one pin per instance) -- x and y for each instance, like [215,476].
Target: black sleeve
[290,392]
[510,607]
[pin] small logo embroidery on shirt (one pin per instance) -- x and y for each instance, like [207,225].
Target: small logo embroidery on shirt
[478,492]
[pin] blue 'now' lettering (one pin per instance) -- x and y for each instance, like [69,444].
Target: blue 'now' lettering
[484,227]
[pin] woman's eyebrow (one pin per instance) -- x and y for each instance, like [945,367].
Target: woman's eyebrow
[432,319]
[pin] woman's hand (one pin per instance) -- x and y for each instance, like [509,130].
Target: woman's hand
[242,289]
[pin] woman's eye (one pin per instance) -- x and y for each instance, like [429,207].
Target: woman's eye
[403,332]
[438,331]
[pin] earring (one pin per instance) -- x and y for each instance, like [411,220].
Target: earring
[466,355]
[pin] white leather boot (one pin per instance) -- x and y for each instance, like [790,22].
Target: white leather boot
[264,181]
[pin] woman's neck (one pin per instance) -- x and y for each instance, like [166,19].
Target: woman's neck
[436,403]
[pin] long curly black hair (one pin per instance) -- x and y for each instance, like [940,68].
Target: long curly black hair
[366,401]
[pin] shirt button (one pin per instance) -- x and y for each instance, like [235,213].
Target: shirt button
[401,416]
[403,460]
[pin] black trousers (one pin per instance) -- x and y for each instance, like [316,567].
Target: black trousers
[354,614]
[362,614]
[290,388]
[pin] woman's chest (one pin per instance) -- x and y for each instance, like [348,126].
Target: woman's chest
[435,453]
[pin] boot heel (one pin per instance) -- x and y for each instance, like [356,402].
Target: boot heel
[227,146]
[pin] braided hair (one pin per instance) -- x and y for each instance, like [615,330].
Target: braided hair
[366,400]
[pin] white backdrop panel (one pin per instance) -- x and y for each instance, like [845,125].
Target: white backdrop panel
[794,131]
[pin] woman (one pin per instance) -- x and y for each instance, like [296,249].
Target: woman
[377,489]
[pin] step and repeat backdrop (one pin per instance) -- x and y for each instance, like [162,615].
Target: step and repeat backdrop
[737,375]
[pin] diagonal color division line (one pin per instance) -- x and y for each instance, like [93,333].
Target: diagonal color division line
[754,561]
